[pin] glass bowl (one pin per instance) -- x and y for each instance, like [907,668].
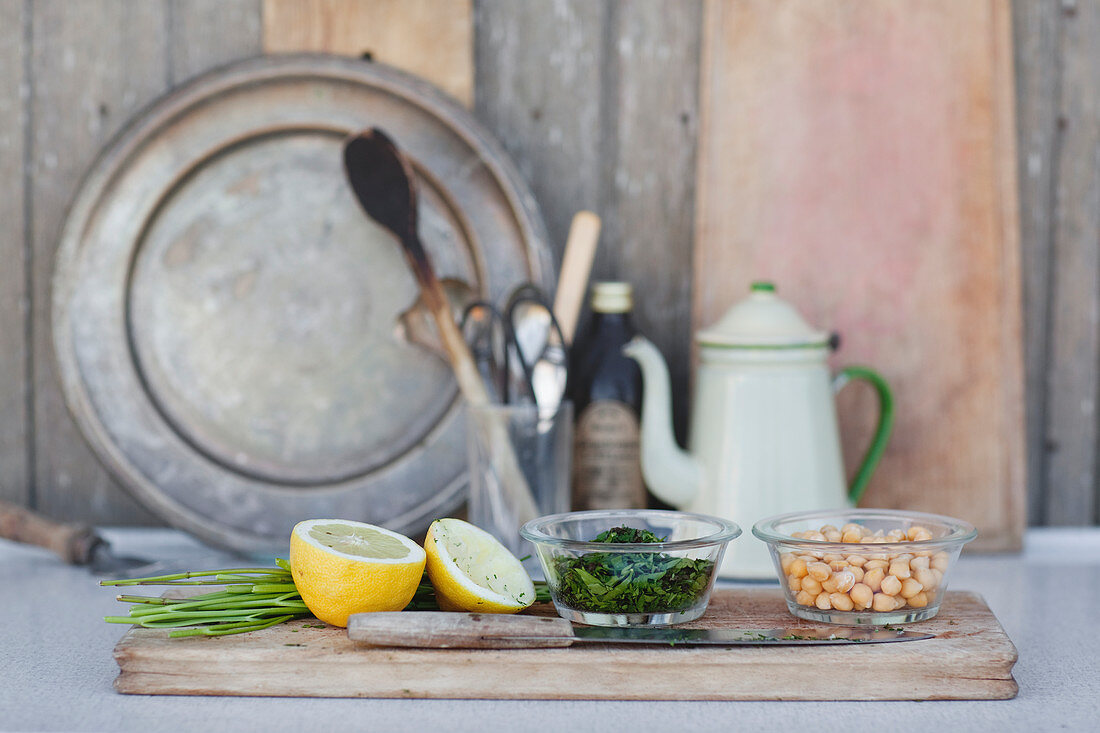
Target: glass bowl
[864,566]
[630,583]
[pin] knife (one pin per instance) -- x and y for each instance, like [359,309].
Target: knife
[76,544]
[446,630]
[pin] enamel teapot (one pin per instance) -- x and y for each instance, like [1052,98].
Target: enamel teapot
[763,437]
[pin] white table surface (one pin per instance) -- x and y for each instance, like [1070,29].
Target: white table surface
[55,657]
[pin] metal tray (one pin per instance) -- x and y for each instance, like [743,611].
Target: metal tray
[226,318]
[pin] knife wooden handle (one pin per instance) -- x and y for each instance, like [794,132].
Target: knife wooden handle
[72,542]
[446,630]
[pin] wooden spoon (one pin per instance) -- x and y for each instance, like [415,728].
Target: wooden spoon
[385,185]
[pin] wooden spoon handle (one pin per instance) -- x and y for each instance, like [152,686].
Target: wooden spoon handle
[494,433]
[446,630]
[576,265]
[73,543]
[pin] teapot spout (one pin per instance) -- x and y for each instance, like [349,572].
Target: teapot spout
[672,474]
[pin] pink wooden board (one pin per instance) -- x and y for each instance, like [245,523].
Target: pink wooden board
[861,155]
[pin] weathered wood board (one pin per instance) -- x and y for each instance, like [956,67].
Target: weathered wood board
[1071,349]
[970,658]
[14,301]
[430,38]
[862,156]
[597,102]
[73,109]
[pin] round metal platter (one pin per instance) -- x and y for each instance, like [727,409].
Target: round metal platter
[226,317]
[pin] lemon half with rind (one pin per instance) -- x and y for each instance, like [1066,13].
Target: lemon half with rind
[342,567]
[472,571]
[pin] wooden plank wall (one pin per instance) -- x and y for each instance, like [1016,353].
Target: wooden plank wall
[1057,47]
[597,100]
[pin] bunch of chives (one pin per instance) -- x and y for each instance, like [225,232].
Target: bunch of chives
[253,599]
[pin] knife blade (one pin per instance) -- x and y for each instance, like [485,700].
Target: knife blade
[446,630]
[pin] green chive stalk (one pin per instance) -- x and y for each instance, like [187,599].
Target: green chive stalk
[251,599]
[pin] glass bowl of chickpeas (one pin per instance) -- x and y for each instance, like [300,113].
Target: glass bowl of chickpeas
[864,566]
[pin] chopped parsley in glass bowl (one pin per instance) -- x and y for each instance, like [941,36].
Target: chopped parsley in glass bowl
[630,567]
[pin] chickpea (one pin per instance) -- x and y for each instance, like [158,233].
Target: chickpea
[833,535]
[804,599]
[812,535]
[896,535]
[927,578]
[795,584]
[841,602]
[940,561]
[822,601]
[829,585]
[827,529]
[833,557]
[916,534]
[875,563]
[899,602]
[819,571]
[919,563]
[845,580]
[852,527]
[873,579]
[851,535]
[861,595]
[837,565]
[810,585]
[923,553]
[786,559]
[910,587]
[882,602]
[798,568]
[890,585]
[857,573]
[920,600]
[857,560]
[900,569]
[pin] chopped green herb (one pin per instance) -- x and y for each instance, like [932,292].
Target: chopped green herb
[631,582]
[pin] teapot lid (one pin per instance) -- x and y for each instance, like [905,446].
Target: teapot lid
[762,320]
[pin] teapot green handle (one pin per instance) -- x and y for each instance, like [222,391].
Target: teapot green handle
[882,431]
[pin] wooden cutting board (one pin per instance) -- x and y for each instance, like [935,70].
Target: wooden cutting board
[971,658]
[862,156]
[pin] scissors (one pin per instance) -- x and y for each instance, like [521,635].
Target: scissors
[520,350]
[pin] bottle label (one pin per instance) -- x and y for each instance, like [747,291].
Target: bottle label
[607,472]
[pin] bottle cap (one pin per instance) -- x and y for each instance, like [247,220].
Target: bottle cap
[612,297]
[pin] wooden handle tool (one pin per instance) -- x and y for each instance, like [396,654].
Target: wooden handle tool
[385,185]
[73,543]
[576,264]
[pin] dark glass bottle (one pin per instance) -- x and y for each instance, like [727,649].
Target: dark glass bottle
[606,389]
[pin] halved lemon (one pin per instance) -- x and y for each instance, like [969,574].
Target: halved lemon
[342,567]
[472,571]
